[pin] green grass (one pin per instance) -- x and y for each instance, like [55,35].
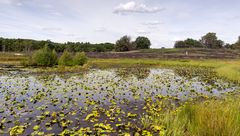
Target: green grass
[209,118]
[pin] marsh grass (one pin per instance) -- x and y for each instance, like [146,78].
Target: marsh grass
[209,118]
[11,58]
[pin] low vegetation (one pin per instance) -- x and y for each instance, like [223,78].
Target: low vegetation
[68,59]
[44,57]
[47,58]
[213,117]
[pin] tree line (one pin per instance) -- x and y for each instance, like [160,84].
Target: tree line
[28,45]
[210,40]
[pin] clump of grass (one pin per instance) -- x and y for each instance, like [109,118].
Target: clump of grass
[230,70]
[210,118]
[216,118]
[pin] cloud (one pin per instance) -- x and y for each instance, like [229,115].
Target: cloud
[100,29]
[55,13]
[144,32]
[133,7]
[52,29]
[152,23]
[71,35]
[14,2]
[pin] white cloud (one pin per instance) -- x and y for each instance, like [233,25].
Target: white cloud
[133,7]
[143,32]
[56,13]
[14,2]
[52,29]
[152,23]
[100,29]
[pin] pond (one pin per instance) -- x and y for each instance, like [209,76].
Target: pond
[105,101]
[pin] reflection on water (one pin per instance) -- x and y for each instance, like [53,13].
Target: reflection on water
[31,99]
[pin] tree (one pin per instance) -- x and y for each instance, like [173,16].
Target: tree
[191,43]
[179,44]
[142,43]
[237,44]
[124,44]
[228,46]
[1,44]
[210,40]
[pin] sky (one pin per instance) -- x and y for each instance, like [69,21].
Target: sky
[95,21]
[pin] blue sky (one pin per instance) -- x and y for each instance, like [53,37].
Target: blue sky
[163,21]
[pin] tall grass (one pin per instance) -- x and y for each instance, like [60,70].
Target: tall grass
[211,118]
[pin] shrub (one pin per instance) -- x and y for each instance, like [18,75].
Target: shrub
[44,57]
[66,59]
[80,58]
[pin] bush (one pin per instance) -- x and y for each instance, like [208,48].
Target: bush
[80,58]
[69,60]
[44,57]
[66,59]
